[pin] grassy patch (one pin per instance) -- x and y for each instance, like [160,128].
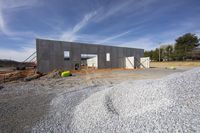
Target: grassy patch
[176,64]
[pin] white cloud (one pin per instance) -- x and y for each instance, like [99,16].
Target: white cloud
[18,55]
[145,43]
[2,21]
[113,37]
[114,9]
[14,5]
[72,34]
[132,6]
[197,32]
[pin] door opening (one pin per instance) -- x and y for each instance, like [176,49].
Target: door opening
[89,61]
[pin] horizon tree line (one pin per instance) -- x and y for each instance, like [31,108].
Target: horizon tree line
[186,47]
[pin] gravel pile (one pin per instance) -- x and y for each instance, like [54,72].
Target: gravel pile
[170,104]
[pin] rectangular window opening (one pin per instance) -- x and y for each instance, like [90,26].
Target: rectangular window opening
[107,56]
[66,55]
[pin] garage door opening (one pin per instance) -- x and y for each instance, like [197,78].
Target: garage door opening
[89,61]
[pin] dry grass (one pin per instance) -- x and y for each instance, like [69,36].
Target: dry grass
[176,64]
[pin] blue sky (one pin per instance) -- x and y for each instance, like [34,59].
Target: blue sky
[130,23]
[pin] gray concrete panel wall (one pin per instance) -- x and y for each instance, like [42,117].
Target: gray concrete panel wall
[101,57]
[50,54]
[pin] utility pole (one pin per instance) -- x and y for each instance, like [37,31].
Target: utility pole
[169,53]
[159,52]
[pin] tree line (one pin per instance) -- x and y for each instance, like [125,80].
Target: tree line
[185,48]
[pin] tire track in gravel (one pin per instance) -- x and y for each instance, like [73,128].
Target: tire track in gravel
[109,105]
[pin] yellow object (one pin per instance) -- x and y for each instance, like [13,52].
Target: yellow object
[65,74]
[173,68]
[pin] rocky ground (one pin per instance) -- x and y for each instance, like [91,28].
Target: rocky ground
[77,103]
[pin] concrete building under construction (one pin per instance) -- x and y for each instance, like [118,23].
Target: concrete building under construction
[73,55]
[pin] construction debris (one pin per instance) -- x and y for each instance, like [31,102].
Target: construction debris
[32,77]
[15,75]
[53,74]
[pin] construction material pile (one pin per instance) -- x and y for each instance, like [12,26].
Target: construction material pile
[170,104]
[8,76]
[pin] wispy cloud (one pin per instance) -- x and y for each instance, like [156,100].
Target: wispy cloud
[16,4]
[13,5]
[71,35]
[131,6]
[113,37]
[18,55]
[132,23]
[113,10]
[146,43]
[3,27]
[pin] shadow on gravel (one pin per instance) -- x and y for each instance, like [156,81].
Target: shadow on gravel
[109,105]
[19,114]
[1,87]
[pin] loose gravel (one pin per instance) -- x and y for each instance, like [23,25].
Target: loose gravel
[96,103]
[170,104]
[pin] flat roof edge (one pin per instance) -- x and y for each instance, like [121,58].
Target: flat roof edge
[85,43]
